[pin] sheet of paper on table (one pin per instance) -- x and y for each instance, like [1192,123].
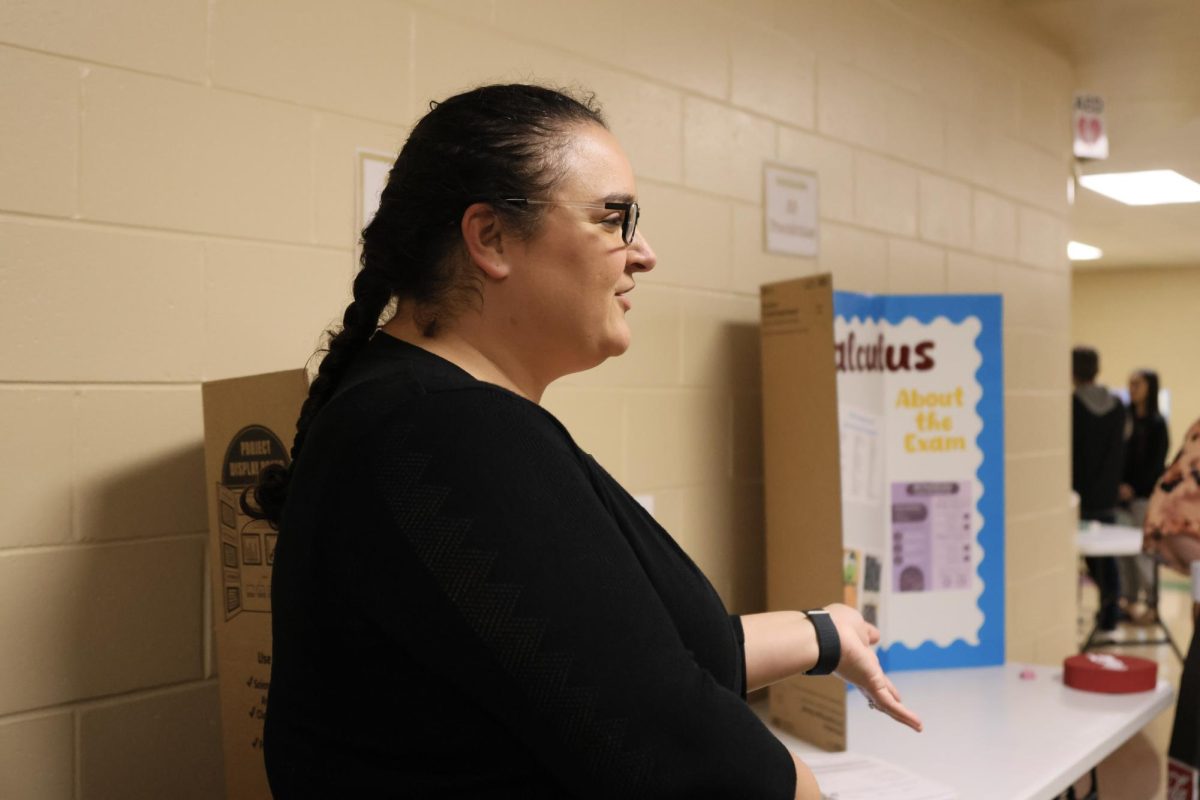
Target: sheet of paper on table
[846,776]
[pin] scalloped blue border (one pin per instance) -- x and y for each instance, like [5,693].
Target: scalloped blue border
[956,308]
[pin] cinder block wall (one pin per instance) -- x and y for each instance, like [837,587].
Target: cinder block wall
[1143,318]
[177,183]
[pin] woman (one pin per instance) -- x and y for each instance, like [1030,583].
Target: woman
[1172,527]
[1146,447]
[465,604]
[1172,533]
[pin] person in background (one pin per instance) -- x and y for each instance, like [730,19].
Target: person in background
[1172,527]
[465,603]
[1097,459]
[1146,445]
[1172,533]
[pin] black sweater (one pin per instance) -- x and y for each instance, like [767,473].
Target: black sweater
[1145,453]
[467,605]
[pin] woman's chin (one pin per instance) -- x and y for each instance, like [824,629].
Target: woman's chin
[615,341]
[619,342]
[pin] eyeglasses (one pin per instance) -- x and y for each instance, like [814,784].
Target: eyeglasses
[629,218]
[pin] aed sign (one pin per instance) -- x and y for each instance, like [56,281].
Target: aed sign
[1087,122]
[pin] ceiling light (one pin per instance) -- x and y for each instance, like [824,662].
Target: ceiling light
[1078,251]
[1150,188]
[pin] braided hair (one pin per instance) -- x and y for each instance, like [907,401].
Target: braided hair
[487,144]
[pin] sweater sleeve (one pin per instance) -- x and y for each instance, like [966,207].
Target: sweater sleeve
[740,633]
[530,602]
[1160,446]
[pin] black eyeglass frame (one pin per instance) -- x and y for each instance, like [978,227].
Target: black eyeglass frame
[629,220]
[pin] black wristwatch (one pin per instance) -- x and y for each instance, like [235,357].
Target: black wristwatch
[829,645]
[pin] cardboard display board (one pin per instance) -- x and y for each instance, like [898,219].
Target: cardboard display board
[248,424]
[884,471]
[803,484]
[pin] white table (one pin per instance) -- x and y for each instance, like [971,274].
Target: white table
[1102,539]
[993,736]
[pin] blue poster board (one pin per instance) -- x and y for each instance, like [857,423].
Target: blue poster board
[921,417]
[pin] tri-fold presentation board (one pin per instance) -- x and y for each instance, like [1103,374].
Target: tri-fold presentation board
[883,423]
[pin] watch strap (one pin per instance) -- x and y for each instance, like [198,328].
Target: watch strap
[829,644]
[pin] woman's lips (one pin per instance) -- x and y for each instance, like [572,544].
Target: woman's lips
[623,298]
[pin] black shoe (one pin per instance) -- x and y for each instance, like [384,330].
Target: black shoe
[1106,619]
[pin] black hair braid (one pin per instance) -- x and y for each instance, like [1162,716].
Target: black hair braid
[359,322]
[485,145]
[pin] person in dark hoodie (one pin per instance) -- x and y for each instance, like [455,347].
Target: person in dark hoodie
[1097,461]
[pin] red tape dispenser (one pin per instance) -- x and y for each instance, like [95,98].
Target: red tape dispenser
[1110,674]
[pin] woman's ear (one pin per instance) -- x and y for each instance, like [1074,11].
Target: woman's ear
[484,236]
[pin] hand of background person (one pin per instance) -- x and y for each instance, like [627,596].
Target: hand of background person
[860,666]
[1124,492]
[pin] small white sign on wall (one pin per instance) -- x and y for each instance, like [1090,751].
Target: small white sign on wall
[1091,137]
[373,168]
[790,210]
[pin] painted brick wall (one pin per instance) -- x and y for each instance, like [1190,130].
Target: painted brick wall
[1143,318]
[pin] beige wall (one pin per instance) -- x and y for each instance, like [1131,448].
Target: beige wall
[1143,318]
[177,204]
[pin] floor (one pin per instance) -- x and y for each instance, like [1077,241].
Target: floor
[1137,771]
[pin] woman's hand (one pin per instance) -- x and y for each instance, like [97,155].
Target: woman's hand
[860,667]
[783,643]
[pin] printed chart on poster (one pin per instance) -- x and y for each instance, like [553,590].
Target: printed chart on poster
[921,423]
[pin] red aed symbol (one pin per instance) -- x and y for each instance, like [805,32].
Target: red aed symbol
[1181,781]
[1089,129]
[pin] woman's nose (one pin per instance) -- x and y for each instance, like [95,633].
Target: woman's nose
[640,255]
